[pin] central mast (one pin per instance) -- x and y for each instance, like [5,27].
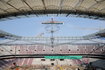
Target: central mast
[52,28]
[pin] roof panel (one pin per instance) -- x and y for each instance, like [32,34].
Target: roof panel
[52,2]
[33,3]
[71,3]
[11,10]
[100,6]
[4,6]
[18,4]
[103,11]
[2,11]
[67,8]
[94,9]
[88,3]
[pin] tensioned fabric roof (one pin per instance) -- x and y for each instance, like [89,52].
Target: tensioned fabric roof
[86,8]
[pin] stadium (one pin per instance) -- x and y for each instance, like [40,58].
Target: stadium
[52,34]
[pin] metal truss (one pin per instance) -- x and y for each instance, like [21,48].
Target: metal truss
[45,40]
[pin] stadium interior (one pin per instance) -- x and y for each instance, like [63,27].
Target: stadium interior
[52,52]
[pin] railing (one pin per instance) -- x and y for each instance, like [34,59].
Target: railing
[43,49]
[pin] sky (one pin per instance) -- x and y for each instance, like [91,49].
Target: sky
[32,26]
